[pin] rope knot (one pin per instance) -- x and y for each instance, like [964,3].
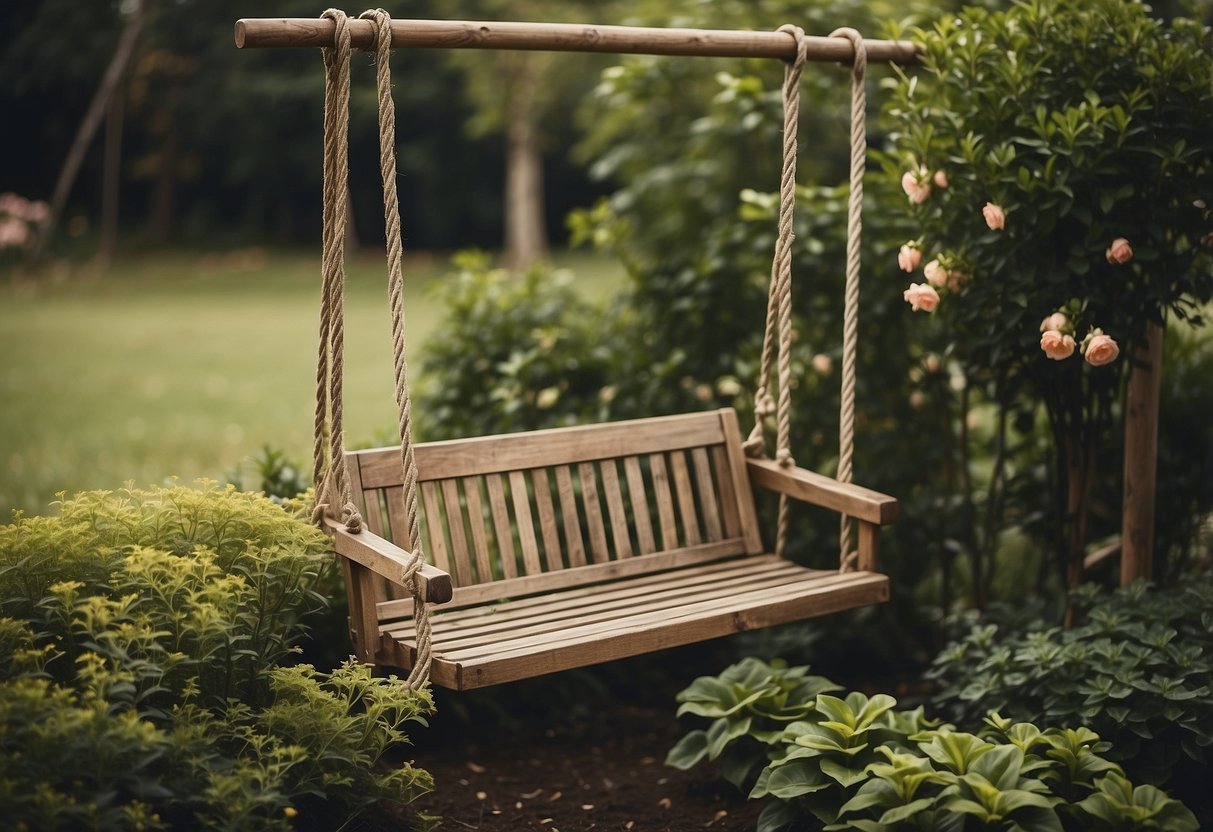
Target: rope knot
[859,63]
[784,457]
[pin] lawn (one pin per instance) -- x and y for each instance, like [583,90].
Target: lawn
[184,365]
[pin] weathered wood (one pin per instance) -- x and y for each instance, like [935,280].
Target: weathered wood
[480,540]
[729,515]
[593,512]
[460,561]
[525,524]
[869,545]
[564,37]
[741,480]
[614,499]
[573,577]
[1141,460]
[816,593]
[547,519]
[386,559]
[568,511]
[433,518]
[501,525]
[859,502]
[707,493]
[542,448]
[686,499]
[640,505]
[665,501]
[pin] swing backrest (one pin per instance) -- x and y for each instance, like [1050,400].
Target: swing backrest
[528,512]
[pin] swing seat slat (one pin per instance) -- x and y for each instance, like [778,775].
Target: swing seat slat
[573,546]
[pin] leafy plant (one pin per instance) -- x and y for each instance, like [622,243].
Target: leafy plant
[146,677]
[1056,157]
[857,762]
[1138,669]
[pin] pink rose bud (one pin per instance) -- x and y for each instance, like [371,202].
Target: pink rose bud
[995,217]
[1057,320]
[823,364]
[916,189]
[1119,253]
[1100,349]
[909,257]
[921,297]
[941,179]
[1056,345]
[935,274]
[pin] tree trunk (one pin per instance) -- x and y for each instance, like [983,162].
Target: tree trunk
[1141,460]
[111,181]
[525,234]
[88,126]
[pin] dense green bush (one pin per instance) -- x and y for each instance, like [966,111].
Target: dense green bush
[516,353]
[1056,158]
[858,763]
[1138,669]
[146,677]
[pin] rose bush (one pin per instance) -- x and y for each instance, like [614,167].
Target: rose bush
[1078,144]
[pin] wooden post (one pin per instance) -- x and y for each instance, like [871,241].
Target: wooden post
[1141,460]
[565,37]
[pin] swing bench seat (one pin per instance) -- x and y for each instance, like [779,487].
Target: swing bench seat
[561,548]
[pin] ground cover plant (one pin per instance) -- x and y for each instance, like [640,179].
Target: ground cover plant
[148,681]
[857,762]
[1137,669]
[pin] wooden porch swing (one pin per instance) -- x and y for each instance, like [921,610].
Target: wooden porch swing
[556,549]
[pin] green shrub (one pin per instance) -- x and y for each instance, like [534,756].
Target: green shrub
[859,763]
[1138,669]
[517,353]
[146,679]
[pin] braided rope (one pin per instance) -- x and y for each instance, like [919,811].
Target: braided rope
[328,463]
[391,213]
[777,334]
[849,556]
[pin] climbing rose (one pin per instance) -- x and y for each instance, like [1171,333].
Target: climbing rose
[921,297]
[1057,320]
[935,274]
[1120,252]
[909,257]
[916,189]
[1100,349]
[996,218]
[1056,345]
[941,179]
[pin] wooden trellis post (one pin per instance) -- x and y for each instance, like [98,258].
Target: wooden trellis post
[1141,460]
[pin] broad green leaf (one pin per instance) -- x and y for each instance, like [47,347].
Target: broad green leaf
[901,813]
[844,776]
[688,751]
[797,778]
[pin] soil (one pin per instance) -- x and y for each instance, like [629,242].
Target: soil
[570,755]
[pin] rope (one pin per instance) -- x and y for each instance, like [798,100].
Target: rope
[777,334]
[328,462]
[391,214]
[849,556]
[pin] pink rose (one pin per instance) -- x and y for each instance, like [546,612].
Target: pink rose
[995,217]
[956,280]
[1119,253]
[1100,349]
[916,189]
[1057,320]
[935,274]
[921,297]
[823,364]
[13,233]
[941,179]
[1056,345]
[909,257]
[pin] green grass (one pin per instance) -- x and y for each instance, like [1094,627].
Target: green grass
[184,365]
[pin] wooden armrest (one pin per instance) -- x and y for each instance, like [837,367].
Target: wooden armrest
[388,560]
[845,498]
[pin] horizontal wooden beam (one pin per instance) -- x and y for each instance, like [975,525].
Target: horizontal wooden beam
[388,560]
[565,37]
[845,498]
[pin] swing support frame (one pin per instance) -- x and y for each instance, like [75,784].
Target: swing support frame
[525,599]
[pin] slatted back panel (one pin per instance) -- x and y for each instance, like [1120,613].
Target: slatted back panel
[503,507]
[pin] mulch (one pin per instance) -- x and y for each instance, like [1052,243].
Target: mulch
[575,752]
